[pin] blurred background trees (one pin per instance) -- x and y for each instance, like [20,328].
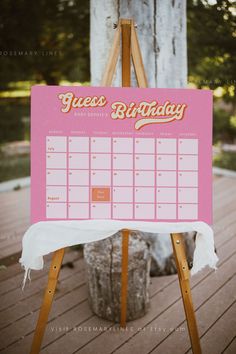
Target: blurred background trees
[47,42]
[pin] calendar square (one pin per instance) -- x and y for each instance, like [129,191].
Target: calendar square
[166,162]
[144,211]
[101,211]
[56,210]
[56,177]
[56,144]
[123,194]
[188,146]
[122,161]
[144,178]
[166,195]
[79,161]
[144,146]
[188,179]
[78,210]
[188,211]
[100,144]
[78,194]
[100,178]
[56,194]
[122,145]
[101,161]
[144,195]
[144,162]
[122,211]
[166,179]
[166,146]
[56,160]
[122,178]
[78,144]
[188,195]
[78,177]
[188,162]
[166,211]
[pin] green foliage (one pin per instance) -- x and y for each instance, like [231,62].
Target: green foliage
[226,160]
[223,127]
[14,167]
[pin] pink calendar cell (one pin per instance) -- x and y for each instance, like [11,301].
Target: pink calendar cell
[100,144]
[188,211]
[166,211]
[188,162]
[166,195]
[122,211]
[122,161]
[166,178]
[56,194]
[101,211]
[123,194]
[78,194]
[188,195]
[144,211]
[166,146]
[56,210]
[56,177]
[188,146]
[78,210]
[56,144]
[122,178]
[78,144]
[56,160]
[78,177]
[123,145]
[100,178]
[188,179]
[144,195]
[166,162]
[144,178]
[79,161]
[144,146]
[101,161]
[144,162]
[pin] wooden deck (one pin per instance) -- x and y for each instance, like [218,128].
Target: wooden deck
[72,327]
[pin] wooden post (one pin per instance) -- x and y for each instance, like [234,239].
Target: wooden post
[47,300]
[124,276]
[184,275]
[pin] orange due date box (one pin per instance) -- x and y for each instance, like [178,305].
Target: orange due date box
[100,194]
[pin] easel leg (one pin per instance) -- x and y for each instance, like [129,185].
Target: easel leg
[184,275]
[124,276]
[47,301]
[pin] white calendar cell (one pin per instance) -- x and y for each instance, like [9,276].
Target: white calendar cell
[101,161]
[79,161]
[188,211]
[144,162]
[100,178]
[122,211]
[123,145]
[78,144]
[56,194]
[166,162]
[56,177]
[100,144]
[166,146]
[144,211]
[122,178]
[144,195]
[78,194]
[56,160]
[187,179]
[122,162]
[188,146]
[56,210]
[123,194]
[144,178]
[166,178]
[166,195]
[78,210]
[188,195]
[188,162]
[78,177]
[144,146]
[101,211]
[166,211]
[56,144]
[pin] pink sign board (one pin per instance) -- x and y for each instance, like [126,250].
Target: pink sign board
[121,153]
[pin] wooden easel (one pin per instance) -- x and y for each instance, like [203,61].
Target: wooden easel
[127,36]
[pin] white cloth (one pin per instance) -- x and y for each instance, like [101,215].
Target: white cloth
[48,236]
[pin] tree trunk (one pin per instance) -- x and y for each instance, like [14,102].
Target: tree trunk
[103,264]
